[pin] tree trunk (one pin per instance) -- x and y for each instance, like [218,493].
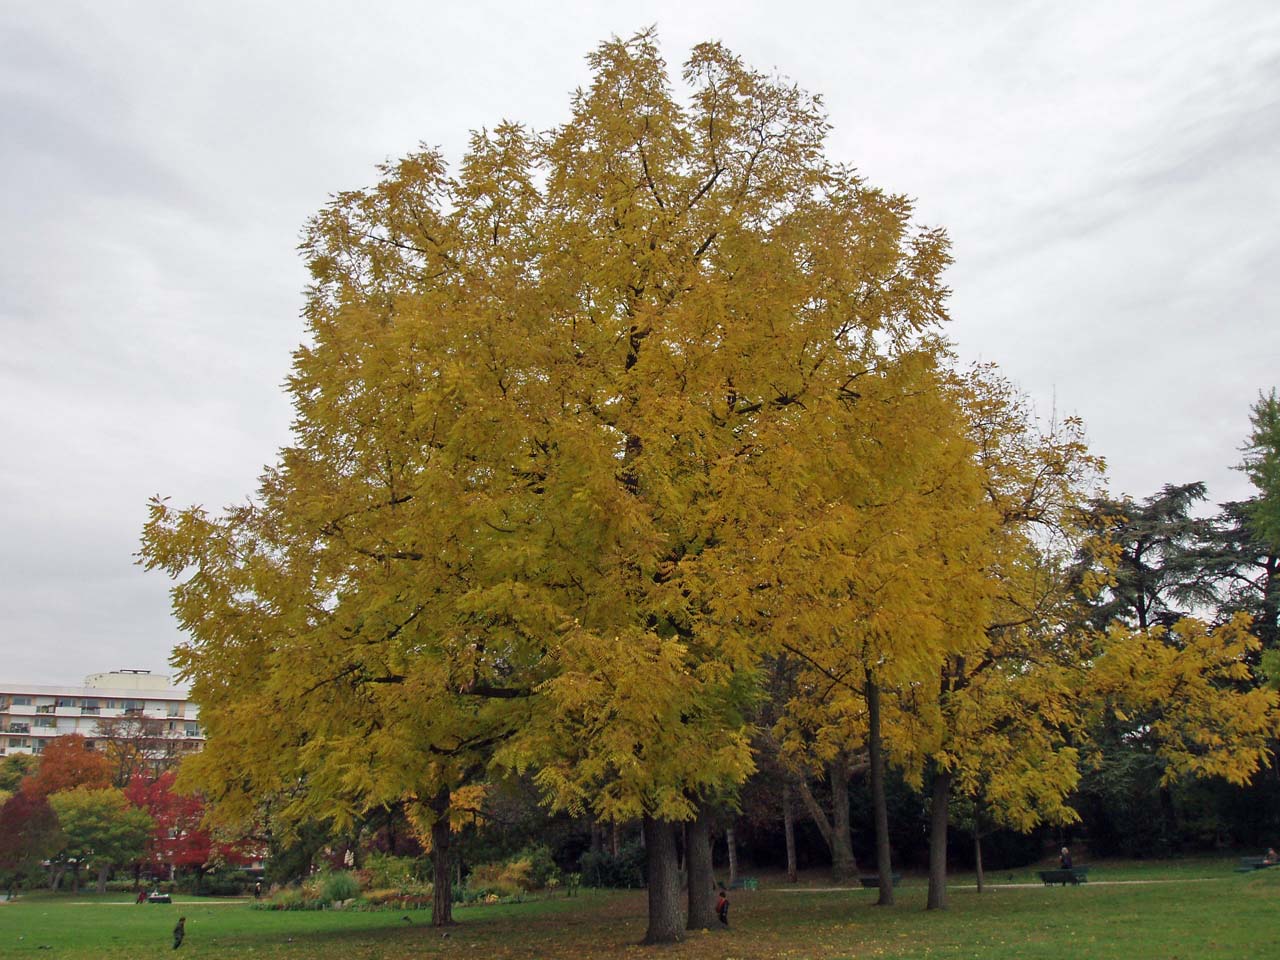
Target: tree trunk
[614,842]
[597,838]
[442,892]
[697,857]
[1169,818]
[102,878]
[789,831]
[733,854]
[938,841]
[664,882]
[843,865]
[977,859]
[884,864]
[977,843]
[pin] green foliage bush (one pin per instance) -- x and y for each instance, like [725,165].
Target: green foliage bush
[499,879]
[393,899]
[542,867]
[603,869]
[384,872]
[339,886]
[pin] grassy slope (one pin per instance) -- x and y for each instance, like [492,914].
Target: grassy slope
[1228,916]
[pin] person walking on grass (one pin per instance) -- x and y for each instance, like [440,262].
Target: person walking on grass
[722,906]
[179,932]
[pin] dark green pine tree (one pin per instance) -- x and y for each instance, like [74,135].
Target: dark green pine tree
[1247,532]
[1164,569]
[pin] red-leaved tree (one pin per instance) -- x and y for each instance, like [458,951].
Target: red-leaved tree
[180,841]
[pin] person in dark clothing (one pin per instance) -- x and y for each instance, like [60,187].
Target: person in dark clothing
[179,932]
[1064,860]
[722,907]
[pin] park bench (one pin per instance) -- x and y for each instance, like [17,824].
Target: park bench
[159,898]
[1065,875]
[1249,864]
[873,880]
[744,883]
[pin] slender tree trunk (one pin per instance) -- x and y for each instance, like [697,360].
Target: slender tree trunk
[442,878]
[938,841]
[1169,816]
[843,865]
[977,859]
[789,831]
[102,878]
[664,882]
[977,843]
[697,857]
[614,842]
[597,837]
[732,841]
[884,863]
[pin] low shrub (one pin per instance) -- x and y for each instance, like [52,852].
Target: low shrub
[542,867]
[382,871]
[339,886]
[396,900]
[217,883]
[501,879]
[600,868]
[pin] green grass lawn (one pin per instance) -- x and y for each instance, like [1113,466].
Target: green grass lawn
[1225,915]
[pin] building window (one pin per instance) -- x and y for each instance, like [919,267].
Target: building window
[175,709]
[193,730]
[22,701]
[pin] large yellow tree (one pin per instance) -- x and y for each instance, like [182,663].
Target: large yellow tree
[545,402]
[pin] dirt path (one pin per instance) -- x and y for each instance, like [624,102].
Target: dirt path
[1017,886]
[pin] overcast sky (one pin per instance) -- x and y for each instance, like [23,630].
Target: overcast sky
[1109,174]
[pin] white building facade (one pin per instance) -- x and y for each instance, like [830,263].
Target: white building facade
[31,715]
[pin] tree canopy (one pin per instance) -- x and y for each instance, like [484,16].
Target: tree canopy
[593,432]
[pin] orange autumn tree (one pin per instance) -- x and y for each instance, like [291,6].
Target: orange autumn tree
[67,763]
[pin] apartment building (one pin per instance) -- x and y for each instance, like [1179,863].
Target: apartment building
[132,703]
